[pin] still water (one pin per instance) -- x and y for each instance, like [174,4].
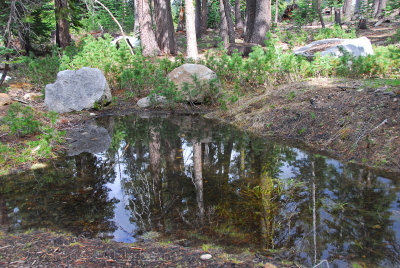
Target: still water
[198,182]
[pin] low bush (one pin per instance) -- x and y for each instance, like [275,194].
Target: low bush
[335,32]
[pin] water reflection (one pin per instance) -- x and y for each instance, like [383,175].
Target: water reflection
[188,178]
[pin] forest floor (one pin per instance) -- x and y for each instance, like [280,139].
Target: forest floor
[56,249]
[351,120]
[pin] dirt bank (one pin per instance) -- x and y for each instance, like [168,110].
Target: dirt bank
[50,249]
[352,120]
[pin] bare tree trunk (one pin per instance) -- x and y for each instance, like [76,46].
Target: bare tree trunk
[382,7]
[181,24]
[147,37]
[376,7]
[204,16]
[276,11]
[262,21]
[347,8]
[223,24]
[164,26]
[198,18]
[238,18]
[62,26]
[357,8]
[136,27]
[338,17]
[250,18]
[190,30]
[229,21]
[318,7]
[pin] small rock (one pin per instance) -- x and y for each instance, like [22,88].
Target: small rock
[395,99]
[32,96]
[205,257]
[146,102]
[38,166]
[4,99]
[269,265]
[360,89]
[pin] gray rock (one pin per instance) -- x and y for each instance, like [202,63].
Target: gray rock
[77,90]
[91,139]
[195,92]
[146,101]
[356,47]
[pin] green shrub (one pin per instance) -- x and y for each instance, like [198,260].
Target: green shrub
[40,71]
[21,120]
[335,32]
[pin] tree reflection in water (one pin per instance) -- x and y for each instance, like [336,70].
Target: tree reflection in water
[188,178]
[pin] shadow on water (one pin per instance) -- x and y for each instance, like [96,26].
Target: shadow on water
[197,182]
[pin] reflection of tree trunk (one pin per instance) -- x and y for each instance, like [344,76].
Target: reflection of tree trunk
[155,163]
[267,220]
[198,178]
[227,157]
[242,159]
[314,212]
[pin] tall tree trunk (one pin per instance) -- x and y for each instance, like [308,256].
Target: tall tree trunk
[357,8]
[62,24]
[190,30]
[338,20]
[347,8]
[198,18]
[250,18]
[238,18]
[229,21]
[262,21]
[181,23]
[204,16]
[223,24]
[276,11]
[382,7]
[376,7]
[317,5]
[147,38]
[136,27]
[164,26]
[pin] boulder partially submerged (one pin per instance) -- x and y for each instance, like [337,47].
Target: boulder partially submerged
[335,47]
[77,90]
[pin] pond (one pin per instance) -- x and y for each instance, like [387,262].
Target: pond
[196,182]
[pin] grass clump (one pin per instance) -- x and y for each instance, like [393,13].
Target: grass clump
[39,128]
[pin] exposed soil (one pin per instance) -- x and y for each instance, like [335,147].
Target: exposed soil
[352,120]
[50,249]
